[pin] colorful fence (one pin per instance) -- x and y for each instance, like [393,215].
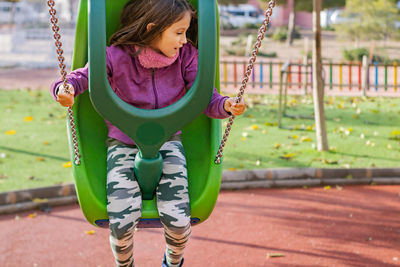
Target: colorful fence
[353,77]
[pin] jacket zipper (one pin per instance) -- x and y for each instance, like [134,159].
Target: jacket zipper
[154,88]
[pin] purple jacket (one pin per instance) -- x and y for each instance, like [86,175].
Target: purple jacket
[146,88]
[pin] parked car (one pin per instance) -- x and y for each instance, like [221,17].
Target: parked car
[240,15]
[23,13]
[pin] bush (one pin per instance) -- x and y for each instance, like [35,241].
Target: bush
[235,51]
[280,34]
[328,28]
[270,54]
[355,54]
[252,26]
[358,53]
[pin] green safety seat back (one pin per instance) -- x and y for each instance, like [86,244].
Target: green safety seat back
[201,135]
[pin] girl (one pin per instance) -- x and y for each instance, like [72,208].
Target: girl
[150,64]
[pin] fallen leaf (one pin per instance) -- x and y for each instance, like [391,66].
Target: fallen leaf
[62,116]
[277,146]
[32,215]
[288,156]
[40,200]
[328,187]
[29,118]
[254,127]
[274,255]
[370,143]
[232,169]
[10,132]
[330,162]
[46,143]
[40,159]
[67,164]
[305,139]
[90,232]
[395,132]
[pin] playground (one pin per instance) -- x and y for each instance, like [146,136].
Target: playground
[278,199]
[340,226]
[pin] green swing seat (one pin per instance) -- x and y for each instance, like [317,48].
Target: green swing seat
[97,20]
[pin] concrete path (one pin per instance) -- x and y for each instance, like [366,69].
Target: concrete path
[340,226]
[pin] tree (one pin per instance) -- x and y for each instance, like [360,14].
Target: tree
[304,5]
[373,19]
[318,86]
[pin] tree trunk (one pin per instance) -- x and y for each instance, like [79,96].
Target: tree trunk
[291,24]
[318,87]
[71,10]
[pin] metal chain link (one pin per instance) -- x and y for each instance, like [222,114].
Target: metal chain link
[63,73]
[260,37]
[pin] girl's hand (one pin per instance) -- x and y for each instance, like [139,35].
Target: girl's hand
[231,106]
[66,100]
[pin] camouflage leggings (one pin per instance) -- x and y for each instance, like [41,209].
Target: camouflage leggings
[124,201]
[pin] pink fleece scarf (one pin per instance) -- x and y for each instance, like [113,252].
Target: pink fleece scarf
[149,58]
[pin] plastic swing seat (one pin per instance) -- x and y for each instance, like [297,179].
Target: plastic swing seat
[97,20]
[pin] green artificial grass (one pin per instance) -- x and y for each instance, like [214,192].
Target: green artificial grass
[33,141]
[362,132]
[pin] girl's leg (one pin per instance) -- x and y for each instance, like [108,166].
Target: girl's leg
[124,202]
[173,201]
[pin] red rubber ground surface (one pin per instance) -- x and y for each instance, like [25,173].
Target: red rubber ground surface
[354,226]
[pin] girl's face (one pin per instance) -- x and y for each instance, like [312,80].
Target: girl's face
[173,38]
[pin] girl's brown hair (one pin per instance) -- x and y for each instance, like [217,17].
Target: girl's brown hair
[137,14]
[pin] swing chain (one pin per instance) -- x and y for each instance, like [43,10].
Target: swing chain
[260,37]
[63,73]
